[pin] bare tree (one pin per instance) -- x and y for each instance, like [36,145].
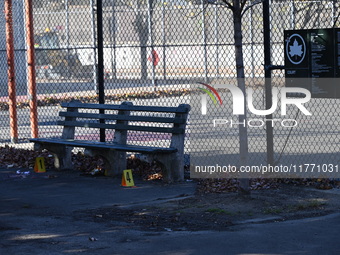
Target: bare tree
[312,14]
[143,11]
[238,8]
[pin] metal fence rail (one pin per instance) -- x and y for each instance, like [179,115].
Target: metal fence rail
[153,52]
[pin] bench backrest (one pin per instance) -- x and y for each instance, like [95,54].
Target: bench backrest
[124,117]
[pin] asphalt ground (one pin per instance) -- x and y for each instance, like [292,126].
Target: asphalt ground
[41,214]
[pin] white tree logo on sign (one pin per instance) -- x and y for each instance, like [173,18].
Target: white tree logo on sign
[296,49]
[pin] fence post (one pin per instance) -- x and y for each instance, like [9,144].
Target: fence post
[204,38]
[267,74]
[94,68]
[252,75]
[292,14]
[113,41]
[164,41]
[216,35]
[32,90]
[11,72]
[100,45]
[67,28]
[150,23]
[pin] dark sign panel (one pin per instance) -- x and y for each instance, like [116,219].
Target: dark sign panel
[337,59]
[313,54]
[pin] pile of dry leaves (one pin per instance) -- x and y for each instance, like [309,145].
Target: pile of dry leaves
[231,185]
[11,157]
[48,101]
[21,158]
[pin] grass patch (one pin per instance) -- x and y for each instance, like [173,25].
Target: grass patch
[218,211]
[249,213]
[308,205]
[272,210]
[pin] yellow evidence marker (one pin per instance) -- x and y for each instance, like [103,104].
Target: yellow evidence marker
[127,178]
[39,166]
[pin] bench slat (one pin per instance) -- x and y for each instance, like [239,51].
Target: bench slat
[122,117]
[109,146]
[121,127]
[126,107]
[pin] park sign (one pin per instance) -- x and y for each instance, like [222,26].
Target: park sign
[312,61]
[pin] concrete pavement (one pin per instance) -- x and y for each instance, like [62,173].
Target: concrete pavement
[40,215]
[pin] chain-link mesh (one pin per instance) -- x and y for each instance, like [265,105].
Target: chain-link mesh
[153,52]
[317,138]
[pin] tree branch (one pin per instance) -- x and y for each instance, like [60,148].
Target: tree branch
[243,3]
[138,4]
[227,4]
[250,6]
[127,4]
[336,20]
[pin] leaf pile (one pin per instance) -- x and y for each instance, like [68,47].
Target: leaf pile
[11,157]
[143,169]
[96,166]
[22,158]
[50,101]
[231,185]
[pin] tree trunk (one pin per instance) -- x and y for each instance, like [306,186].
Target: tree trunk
[142,28]
[238,40]
[144,62]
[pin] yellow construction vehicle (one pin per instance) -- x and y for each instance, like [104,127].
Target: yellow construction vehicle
[54,61]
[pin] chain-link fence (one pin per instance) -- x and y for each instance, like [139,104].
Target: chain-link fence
[154,52]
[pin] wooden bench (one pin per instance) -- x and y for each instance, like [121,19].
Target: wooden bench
[121,119]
